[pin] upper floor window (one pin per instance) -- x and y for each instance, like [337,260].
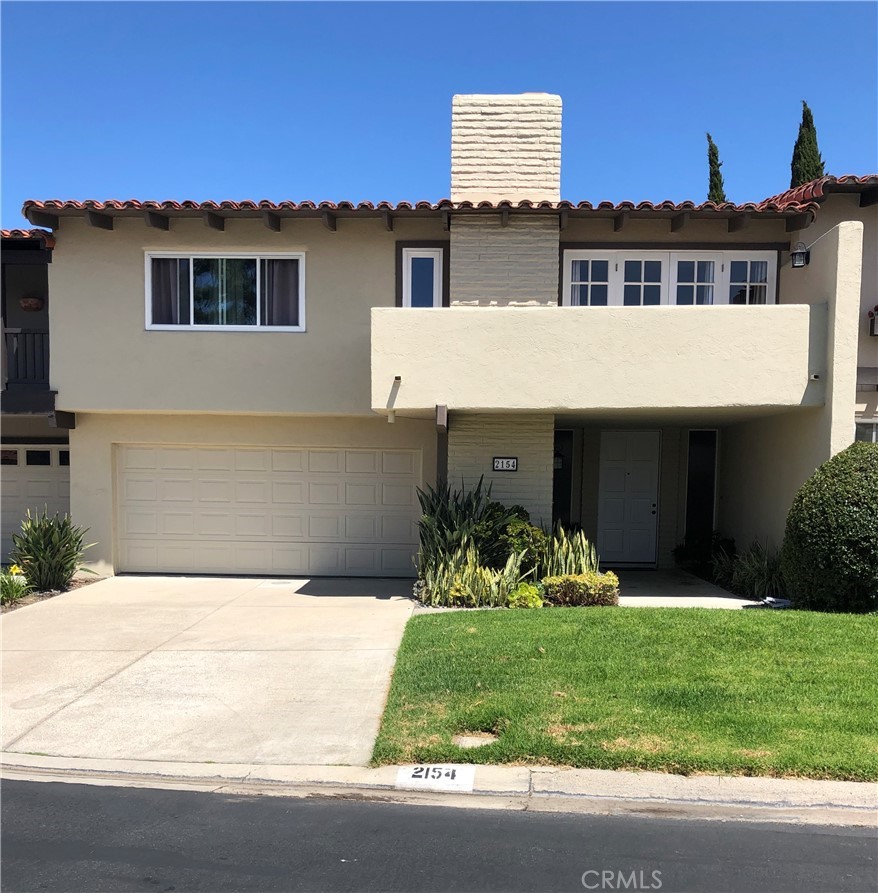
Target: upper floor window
[422,276]
[634,278]
[226,292]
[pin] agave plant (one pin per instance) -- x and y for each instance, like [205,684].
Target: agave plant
[49,550]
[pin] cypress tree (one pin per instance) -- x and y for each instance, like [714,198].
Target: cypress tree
[807,164]
[716,189]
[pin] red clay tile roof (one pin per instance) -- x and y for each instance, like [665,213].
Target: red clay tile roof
[817,190]
[47,239]
[803,199]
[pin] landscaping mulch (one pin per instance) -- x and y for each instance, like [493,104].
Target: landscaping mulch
[33,597]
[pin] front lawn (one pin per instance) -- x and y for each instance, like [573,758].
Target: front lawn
[684,690]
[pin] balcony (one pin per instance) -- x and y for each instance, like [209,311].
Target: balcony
[579,359]
[26,371]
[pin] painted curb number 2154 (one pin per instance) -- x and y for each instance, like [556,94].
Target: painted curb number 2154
[427,772]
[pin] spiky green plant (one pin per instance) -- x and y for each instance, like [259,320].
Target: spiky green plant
[49,550]
[452,519]
[756,573]
[567,553]
[459,579]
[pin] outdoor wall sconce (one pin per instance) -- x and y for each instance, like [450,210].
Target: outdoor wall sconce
[800,256]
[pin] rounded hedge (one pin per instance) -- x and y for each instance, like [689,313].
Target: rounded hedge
[830,550]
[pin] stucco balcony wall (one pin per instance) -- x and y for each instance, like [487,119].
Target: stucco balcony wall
[578,358]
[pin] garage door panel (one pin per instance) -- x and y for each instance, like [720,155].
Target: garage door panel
[361,461]
[398,494]
[177,524]
[140,490]
[288,492]
[324,494]
[398,463]
[215,491]
[215,460]
[252,491]
[268,510]
[287,526]
[324,461]
[23,486]
[214,524]
[177,490]
[134,458]
[361,494]
[287,460]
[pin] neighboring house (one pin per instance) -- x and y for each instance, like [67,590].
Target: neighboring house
[260,388]
[34,454]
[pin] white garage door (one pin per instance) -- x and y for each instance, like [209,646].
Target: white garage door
[266,510]
[34,476]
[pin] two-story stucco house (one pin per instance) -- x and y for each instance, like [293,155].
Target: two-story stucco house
[254,387]
[35,457]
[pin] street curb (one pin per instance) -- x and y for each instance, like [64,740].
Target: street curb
[543,789]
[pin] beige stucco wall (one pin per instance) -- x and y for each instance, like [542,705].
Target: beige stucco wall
[92,487]
[103,359]
[555,358]
[839,207]
[496,265]
[474,440]
[764,461]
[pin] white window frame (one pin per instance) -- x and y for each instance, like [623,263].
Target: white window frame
[408,255]
[669,258]
[219,255]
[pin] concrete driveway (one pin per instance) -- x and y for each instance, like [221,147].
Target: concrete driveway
[203,669]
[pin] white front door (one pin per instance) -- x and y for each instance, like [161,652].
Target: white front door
[628,496]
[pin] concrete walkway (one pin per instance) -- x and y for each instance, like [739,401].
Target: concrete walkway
[210,669]
[673,589]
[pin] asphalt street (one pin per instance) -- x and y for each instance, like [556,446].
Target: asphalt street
[70,837]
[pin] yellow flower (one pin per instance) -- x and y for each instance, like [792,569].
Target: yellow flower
[16,571]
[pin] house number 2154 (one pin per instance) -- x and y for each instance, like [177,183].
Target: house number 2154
[505,463]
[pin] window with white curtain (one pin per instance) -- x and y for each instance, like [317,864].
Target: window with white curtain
[226,292]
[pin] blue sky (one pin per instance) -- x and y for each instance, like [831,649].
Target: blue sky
[353,101]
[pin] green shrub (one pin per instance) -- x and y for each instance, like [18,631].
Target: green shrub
[756,573]
[567,553]
[13,585]
[459,579]
[830,551]
[48,550]
[571,590]
[521,536]
[525,595]
[452,519]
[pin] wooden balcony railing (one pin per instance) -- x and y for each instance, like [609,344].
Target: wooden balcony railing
[27,357]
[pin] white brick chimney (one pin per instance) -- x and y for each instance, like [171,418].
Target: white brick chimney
[506,147]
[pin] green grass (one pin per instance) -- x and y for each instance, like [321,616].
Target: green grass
[782,693]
